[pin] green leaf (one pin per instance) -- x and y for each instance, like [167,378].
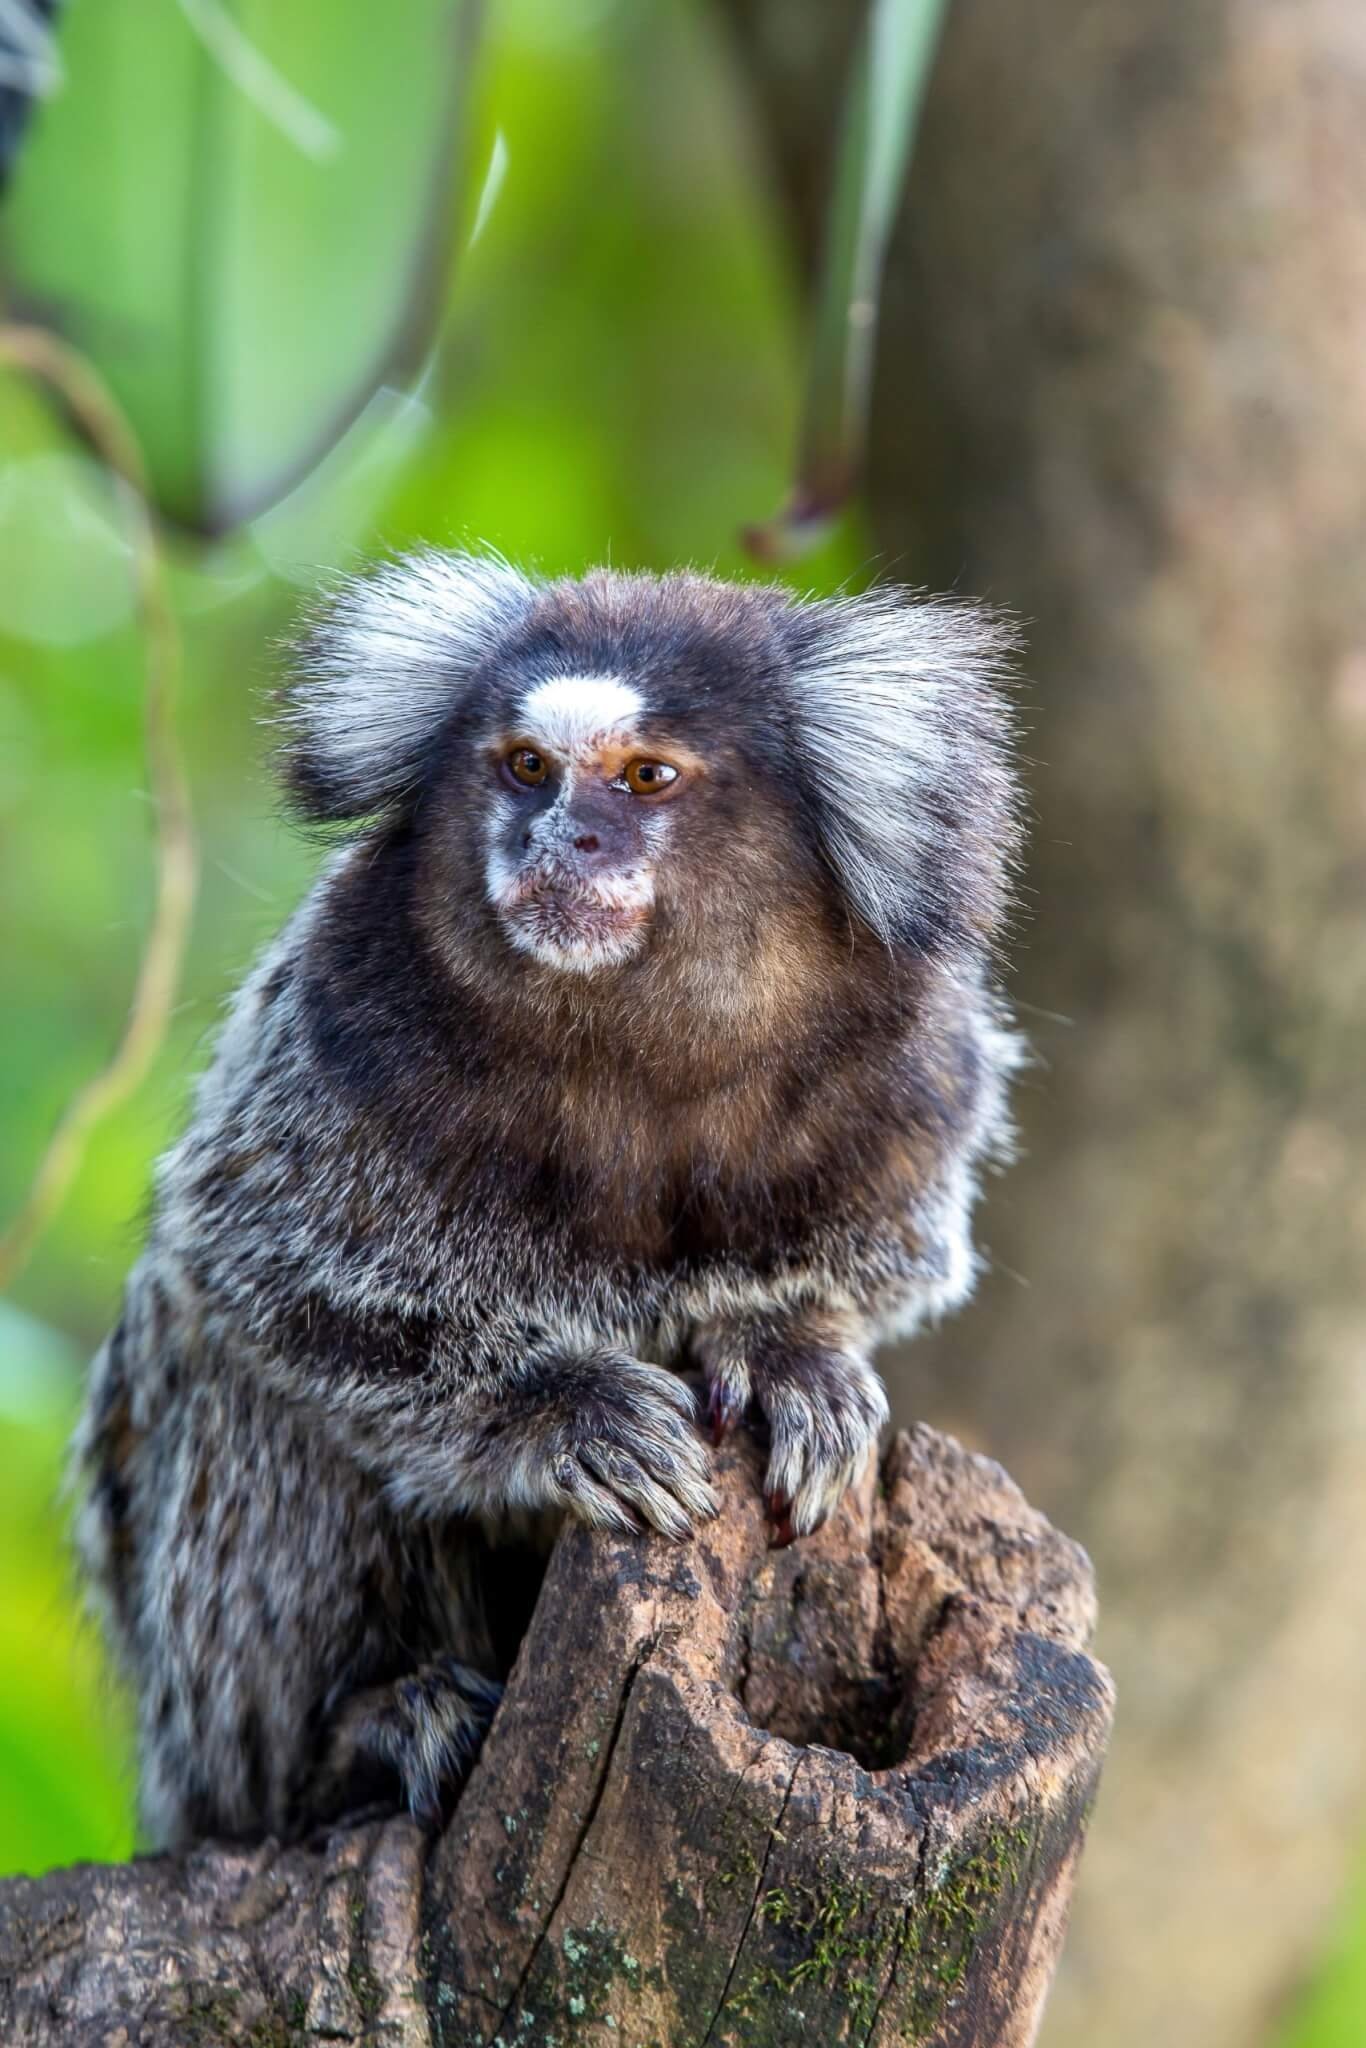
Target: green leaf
[886,89]
[239,210]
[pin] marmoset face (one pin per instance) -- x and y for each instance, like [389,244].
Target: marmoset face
[617,791]
[596,774]
[581,820]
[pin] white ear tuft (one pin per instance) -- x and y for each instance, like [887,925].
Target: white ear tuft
[380,668]
[905,740]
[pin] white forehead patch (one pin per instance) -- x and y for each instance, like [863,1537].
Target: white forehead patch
[573,714]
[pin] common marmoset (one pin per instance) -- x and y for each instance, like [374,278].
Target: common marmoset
[646,1021]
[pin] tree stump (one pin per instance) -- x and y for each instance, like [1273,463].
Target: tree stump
[832,1793]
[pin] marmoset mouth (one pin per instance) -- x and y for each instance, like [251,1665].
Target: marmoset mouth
[576,920]
[576,925]
[585,917]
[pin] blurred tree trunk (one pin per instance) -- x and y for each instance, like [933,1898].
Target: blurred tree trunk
[1123,389]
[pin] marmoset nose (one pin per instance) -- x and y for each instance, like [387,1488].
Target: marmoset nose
[598,831]
[590,847]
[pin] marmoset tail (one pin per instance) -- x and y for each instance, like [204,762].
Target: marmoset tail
[645,1023]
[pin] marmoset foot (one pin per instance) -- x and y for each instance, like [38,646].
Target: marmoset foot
[425,1727]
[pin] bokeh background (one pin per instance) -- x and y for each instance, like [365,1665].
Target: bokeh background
[1121,388]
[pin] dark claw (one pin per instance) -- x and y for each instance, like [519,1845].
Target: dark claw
[724,1409]
[780,1514]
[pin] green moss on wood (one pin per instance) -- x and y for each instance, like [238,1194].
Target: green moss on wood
[850,1943]
[945,1926]
[843,1936]
[576,1982]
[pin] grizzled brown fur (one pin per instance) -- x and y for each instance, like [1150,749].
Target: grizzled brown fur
[553,1086]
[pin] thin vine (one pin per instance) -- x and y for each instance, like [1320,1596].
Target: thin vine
[70,380]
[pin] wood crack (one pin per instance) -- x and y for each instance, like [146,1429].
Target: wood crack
[642,1657]
[774,1835]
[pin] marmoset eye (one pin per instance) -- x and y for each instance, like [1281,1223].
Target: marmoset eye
[647,778]
[528,767]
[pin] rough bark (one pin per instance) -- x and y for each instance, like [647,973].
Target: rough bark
[733,1795]
[1122,390]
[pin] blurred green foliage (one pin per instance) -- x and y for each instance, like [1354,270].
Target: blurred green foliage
[1333,2014]
[63,1737]
[240,267]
